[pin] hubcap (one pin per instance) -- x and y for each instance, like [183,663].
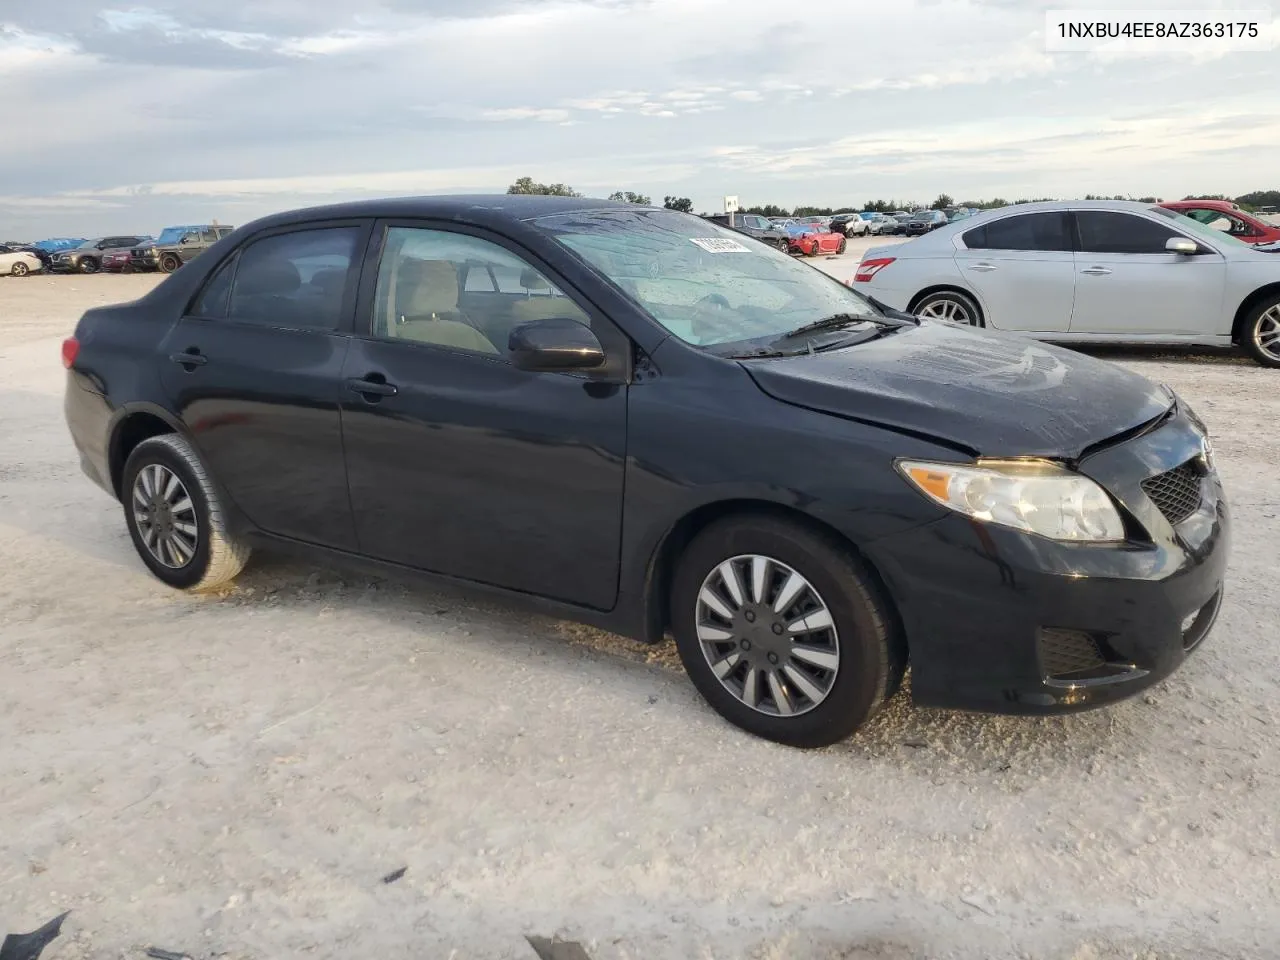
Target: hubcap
[165,516]
[952,311]
[768,635]
[1266,334]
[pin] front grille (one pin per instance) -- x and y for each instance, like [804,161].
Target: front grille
[1064,652]
[1176,493]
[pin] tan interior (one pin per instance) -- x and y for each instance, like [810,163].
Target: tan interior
[428,304]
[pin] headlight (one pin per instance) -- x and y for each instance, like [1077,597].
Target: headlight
[1032,496]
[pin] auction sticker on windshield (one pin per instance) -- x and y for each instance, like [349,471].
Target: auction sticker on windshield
[719,245]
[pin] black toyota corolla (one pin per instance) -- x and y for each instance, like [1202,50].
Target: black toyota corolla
[640,420]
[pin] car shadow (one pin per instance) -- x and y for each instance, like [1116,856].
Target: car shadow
[901,732]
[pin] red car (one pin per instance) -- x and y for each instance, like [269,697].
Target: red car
[1227,217]
[813,242]
[118,261]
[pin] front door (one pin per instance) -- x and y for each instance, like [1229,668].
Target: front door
[1128,284]
[1022,269]
[458,462]
[254,371]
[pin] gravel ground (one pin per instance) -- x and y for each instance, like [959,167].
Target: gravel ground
[233,775]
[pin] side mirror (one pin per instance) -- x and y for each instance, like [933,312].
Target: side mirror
[1181,245]
[553,345]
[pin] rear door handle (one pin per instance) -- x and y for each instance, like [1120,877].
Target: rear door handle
[1096,272]
[370,389]
[190,359]
[983,267]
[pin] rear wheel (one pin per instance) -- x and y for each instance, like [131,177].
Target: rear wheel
[20,269]
[950,306]
[1262,332]
[844,244]
[175,517]
[170,262]
[783,245]
[782,631]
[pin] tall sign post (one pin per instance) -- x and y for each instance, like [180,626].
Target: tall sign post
[731,207]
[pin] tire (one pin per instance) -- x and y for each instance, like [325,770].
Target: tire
[950,306]
[170,262]
[88,265]
[844,245]
[214,557]
[1261,332]
[869,656]
[19,269]
[784,246]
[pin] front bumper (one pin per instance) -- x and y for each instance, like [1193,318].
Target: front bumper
[1004,622]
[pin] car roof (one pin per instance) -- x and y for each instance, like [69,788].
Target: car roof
[1225,205]
[473,208]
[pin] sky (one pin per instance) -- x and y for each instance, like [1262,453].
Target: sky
[124,116]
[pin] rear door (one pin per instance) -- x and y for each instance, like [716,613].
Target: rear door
[459,463]
[254,370]
[1128,284]
[1022,268]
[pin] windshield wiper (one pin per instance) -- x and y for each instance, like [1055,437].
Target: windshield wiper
[840,320]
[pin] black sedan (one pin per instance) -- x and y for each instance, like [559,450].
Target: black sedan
[640,420]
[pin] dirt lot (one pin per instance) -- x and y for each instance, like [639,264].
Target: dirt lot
[233,775]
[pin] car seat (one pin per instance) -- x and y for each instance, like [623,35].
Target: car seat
[425,295]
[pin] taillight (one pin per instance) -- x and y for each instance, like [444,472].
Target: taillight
[869,268]
[70,349]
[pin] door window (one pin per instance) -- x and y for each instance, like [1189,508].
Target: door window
[461,292]
[1031,231]
[292,279]
[1107,232]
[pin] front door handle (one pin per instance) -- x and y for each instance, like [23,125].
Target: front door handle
[1096,272]
[190,359]
[983,267]
[373,387]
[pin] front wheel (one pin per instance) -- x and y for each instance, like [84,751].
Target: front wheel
[782,630]
[1262,332]
[88,265]
[170,262]
[175,517]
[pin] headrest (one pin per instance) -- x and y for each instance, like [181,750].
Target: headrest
[428,286]
[531,279]
[267,277]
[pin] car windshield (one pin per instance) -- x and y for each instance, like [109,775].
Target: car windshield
[174,234]
[711,287]
[1192,225]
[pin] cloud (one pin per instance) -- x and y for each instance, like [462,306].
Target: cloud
[319,98]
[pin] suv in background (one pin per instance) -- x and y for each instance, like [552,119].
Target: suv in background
[88,257]
[923,222]
[176,246]
[754,225]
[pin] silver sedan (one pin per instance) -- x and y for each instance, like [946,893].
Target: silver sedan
[1087,271]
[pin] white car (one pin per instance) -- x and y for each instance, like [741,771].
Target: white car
[1090,272]
[18,263]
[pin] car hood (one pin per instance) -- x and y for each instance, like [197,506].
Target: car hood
[994,395]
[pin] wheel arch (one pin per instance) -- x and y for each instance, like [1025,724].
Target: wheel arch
[948,287]
[134,425]
[1247,304]
[661,568]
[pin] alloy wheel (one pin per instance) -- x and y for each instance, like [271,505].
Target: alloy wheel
[19,270]
[952,311]
[165,516]
[768,635]
[1266,332]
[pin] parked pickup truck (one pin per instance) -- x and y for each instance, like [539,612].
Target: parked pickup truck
[752,225]
[176,246]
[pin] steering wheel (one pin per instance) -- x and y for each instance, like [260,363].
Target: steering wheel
[713,302]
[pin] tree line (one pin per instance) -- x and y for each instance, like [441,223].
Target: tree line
[527,185]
